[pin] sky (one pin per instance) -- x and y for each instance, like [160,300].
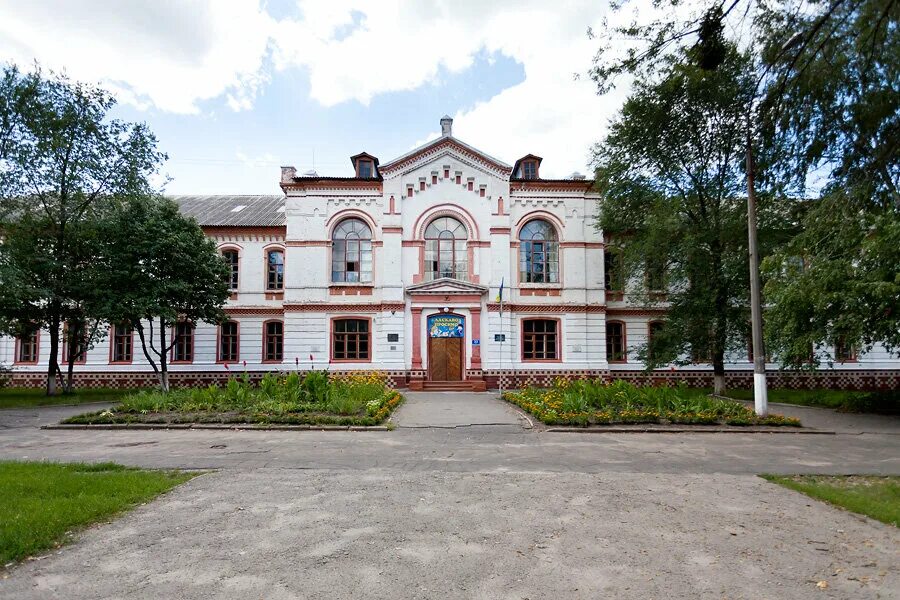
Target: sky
[234,90]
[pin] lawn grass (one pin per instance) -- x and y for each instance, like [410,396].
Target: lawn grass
[28,397]
[873,496]
[42,503]
[887,402]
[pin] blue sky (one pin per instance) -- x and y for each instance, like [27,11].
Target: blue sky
[233,90]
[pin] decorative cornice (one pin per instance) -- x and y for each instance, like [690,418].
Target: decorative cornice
[548,185]
[305,243]
[341,307]
[445,286]
[500,230]
[547,308]
[248,311]
[268,233]
[636,312]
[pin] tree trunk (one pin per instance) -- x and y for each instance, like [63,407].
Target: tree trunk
[70,368]
[719,376]
[52,364]
[140,329]
[163,368]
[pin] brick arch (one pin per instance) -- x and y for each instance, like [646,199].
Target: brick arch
[446,210]
[350,213]
[541,215]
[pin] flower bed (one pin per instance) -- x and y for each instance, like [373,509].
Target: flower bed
[361,399]
[584,402]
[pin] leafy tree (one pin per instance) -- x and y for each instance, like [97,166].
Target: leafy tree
[159,269]
[671,174]
[826,110]
[837,121]
[64,164]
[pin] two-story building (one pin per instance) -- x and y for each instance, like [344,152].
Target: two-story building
[400,268]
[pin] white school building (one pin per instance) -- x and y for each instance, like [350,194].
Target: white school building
[399,269]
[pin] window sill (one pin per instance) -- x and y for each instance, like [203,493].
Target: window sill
[540,286]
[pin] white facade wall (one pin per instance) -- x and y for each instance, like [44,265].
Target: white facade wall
[446,178]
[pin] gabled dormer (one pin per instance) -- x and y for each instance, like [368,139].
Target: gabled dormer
[365,166]
[527,167]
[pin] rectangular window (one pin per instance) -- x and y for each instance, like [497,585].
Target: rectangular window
[28,347]
[653,331]
[274,342]
[656,276]
[529,170]
[228,342]
[615,341]
[232,261]
[183,343]
[844,352]
[365,169]
[79,352]
[613,280]
[122,340]
[539,339]
[350,340]
[275,272]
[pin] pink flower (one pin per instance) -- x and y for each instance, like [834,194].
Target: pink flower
[310,358]
[226,366]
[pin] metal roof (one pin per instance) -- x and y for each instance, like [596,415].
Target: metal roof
[233,211]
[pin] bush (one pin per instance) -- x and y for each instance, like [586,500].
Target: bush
[5,375]
[584,402]
[358,399]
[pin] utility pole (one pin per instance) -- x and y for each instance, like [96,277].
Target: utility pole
[760,394]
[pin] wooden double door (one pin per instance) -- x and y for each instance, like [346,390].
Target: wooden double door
[445,358]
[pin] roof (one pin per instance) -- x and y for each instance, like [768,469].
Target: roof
[233,211]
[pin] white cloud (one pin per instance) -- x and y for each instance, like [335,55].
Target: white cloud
[174,55]
[170,54]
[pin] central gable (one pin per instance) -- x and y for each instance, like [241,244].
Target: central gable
[436,151]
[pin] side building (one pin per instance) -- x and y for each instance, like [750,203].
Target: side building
[400,269]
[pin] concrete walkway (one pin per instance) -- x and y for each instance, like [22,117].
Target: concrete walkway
[455,409]
[469,504]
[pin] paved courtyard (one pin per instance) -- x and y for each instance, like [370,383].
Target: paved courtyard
[471,503]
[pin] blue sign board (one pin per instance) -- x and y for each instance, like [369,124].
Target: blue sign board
[476,342]
[446,326]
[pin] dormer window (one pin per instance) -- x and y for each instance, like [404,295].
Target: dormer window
[365,165]
[529,170]
[527,167]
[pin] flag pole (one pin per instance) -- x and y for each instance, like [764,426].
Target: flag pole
[502,337]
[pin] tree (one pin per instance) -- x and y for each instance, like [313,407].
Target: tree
[160,269]
[836,116]
[65,163]
[671,172]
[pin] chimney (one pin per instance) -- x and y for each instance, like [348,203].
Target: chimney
[446,126]
[288,174]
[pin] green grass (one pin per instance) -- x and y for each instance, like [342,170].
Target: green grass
[843,400]
[873,496]
[42,503]
[28,397]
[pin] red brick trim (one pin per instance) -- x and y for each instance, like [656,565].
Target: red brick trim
[223,231]
[250,311]
[500,230]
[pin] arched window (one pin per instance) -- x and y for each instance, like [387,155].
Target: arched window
[538,253]
[232,261]
[275,270]
[183,344]
[229,342]
[28,345]
[351,252]
[615,341]
[273,342]
[445,249]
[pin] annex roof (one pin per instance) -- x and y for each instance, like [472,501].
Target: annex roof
[233,211]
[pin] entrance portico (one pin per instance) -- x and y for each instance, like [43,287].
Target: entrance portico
[445,324]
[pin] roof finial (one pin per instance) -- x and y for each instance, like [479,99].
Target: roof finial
[446,126]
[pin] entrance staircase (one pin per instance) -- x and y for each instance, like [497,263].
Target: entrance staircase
[449,386]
